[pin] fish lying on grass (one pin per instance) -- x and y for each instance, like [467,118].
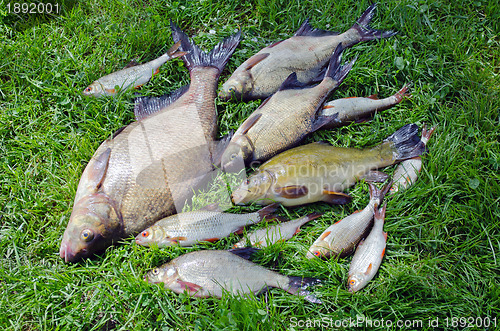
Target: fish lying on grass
[368,255]
[148,169]
[285,118]
[132,76]
[306,54]
[321,172]
[279,232]
[211,273]
[340,238]
[358,109]
[407,172]
[187,229]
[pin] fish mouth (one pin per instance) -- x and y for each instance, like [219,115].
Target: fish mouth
[68,255]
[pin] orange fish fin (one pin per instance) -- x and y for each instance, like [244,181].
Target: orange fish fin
[296,231]
[157,71]
[176,240]
[369,269]
[373,97]
[383,253]
[191,287]
[249,123]
[328,106]
[337,198]
[324,235]
[254,60]
[212,239]
[292,191]
[110,90]
[385,236]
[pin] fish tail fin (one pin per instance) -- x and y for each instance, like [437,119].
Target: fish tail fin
[379,214]
[195,57]
[365,31]
[335,70]
[426,134]
[298,285]
[407,142]
[174,52]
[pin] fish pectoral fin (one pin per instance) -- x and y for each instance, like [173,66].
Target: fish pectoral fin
[320,121]
[98,169]
[337,198]
[324,235]
[369,269]
[249,123]
[110,90]
[292,191]
[254,60]
[212,239]
[375,176]
[245,252]
[191,287]
[291,82]
[177,240]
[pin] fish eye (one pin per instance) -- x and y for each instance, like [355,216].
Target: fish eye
[155,271]
[88,89]
[233,156]
[232,89]
[87,235]
[352,282]
[317,253]
[145,234]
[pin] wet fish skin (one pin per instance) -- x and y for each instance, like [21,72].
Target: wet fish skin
[321,172]
[279,232]
[340,238]
[130,77]
[210,273]
[285,118]
[189,228]
[407,172]
[368,255]
[306,53]
[148,169]
[359,108]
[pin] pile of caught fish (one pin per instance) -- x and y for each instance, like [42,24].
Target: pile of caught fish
[139,179]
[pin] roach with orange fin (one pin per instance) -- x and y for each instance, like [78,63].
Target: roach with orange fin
[212,273]
[368,255]
[189,228]
[358,108]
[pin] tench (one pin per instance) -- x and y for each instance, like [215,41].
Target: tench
[340,238]
[284,118]
[407,172]
[357,108]
[210,273]
[278,232]
[148,169]
[321,172]
[368,255]
[189,228]
[306,53]
[131,76]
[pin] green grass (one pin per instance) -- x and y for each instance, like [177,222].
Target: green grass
[443,251]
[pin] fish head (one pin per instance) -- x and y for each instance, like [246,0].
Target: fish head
[237,86]
[255,188]
[320,248]
[355,282]
[93,225]
[237,152]
[166,274]
[146,237]
[95,89]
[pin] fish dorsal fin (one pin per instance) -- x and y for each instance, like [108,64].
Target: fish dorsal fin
[292,191]
[147,106]
[307,30]
[132,63]
[98,169]
[245,253]
[254,60]
[373,97]
[212,207]
[369,269]
[291,82]
[275,44]
[249,123]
